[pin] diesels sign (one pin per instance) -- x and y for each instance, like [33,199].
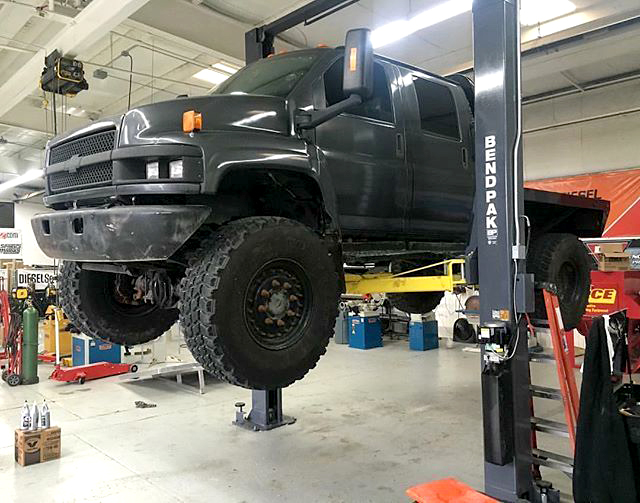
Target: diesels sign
[41,278]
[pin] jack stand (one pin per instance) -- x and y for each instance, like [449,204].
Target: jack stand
[266,411]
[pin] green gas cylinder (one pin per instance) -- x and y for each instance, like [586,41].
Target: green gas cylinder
[30,345]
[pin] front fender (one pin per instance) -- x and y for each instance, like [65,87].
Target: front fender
[282,153]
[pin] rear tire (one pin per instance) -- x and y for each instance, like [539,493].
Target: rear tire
[562,261]
[88,299]
[259,305]
[414,303]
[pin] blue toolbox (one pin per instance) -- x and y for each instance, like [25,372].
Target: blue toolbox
[365,333]
[423,335]
[87,350]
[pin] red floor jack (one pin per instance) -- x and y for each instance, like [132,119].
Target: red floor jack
[83,373]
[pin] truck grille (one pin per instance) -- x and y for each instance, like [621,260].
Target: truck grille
[93,175]
[87,145]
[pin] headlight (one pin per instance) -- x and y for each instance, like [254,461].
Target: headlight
[176,169]
[153,170]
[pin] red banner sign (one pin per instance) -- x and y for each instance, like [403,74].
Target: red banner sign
[621,188]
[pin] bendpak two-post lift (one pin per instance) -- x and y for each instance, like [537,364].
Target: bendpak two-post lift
[496,256]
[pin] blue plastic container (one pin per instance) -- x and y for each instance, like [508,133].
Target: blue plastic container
[423,335]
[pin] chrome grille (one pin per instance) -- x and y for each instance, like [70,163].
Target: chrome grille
[87,145]
[94,175]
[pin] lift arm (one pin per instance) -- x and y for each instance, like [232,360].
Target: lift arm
[258,42]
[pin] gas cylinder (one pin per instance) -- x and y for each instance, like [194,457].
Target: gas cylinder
[30,345]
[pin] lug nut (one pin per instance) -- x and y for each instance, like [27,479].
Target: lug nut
[262,308]
[292,298]
[286,286]
[269,321]
[290,313]
[275,283]
[265,293]
[280,323]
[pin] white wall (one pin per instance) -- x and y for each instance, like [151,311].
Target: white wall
[31,253]
[600,145]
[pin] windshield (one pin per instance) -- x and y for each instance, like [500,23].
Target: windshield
[275,76]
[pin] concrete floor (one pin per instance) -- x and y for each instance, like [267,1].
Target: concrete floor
[370,424]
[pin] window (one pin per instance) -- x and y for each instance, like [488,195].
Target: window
[437,109]
[378,107]
[276,76]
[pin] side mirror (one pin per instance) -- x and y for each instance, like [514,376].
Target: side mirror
[358,64]
[358,80]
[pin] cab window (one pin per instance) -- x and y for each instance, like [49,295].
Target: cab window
[437,109]
[379,107]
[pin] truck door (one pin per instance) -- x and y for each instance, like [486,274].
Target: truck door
[442,177]
[365,154]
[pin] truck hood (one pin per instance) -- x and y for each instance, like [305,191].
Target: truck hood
[225,112]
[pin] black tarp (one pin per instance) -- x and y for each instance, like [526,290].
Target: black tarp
[603,471]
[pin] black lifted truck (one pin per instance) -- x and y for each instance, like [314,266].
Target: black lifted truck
[236,211]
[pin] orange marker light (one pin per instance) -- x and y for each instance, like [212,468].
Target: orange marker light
[353,59]
[191,121]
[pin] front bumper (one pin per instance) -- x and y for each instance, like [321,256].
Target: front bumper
[118,234]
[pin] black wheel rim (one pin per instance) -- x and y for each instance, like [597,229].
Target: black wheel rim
[278,303]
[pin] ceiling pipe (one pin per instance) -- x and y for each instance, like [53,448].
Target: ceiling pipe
[585,87]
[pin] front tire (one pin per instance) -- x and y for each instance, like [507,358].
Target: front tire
[259,305]
[89,300]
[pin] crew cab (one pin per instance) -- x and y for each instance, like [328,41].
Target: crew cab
[235,211]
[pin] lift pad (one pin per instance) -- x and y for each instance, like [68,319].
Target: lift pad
[447,491]
[361,284]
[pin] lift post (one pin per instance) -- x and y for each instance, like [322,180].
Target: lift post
[266,411]
[506,289]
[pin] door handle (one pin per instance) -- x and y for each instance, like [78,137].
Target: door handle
[465,160]
[400,145]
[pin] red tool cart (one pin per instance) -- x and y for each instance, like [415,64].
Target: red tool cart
[613,291]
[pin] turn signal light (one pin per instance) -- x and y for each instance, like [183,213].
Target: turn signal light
[191,121]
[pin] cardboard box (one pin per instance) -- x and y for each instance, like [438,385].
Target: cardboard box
[37,446]
[606,248]
[612,257]
[611,264]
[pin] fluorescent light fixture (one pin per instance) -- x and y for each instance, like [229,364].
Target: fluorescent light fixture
[534,12]
[225,67]
[399,29]
[29,176]
[211,76]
